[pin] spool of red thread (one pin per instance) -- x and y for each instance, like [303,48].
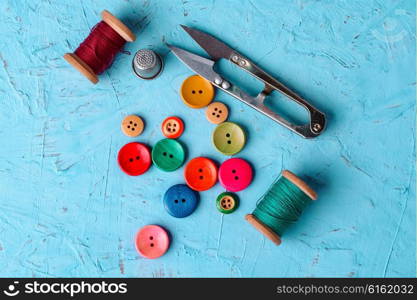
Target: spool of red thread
[96,53]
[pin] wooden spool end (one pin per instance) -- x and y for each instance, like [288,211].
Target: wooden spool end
[81,66]
[265,230]
[118,26]
[301,184]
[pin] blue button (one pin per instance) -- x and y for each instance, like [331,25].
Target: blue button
[180,201]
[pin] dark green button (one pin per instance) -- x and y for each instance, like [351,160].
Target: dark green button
[168,155]
[227,202]
[228,138]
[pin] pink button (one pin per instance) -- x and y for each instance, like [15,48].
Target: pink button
[235,174]
[152,241]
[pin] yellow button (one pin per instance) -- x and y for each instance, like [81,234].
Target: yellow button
[217,113]
[196,92]
[132,126]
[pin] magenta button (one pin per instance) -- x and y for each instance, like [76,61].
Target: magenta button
[235,174]
[152,241]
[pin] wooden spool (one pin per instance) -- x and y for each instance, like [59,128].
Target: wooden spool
[117,26]
[265,230]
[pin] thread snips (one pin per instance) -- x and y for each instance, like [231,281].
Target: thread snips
[217,50]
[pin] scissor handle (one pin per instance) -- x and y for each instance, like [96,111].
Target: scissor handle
[317,118]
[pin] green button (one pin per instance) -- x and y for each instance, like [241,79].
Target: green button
[168,155]
[227,202]
[228,138]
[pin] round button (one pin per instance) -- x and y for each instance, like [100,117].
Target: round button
[235,174]
[200,173]
[134,158]
[180,201]
[152,241]
[168,155]
[227,203]
[196,92]
[172,127]
[132,125]
[217,113]
[228,138]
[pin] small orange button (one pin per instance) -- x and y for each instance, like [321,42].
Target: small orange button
[172,127]
[217,113]
[132,126]
[200,173]
[196,92]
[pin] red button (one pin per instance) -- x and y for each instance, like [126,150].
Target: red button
[172,127]
[200,173]
[235,174]
[134,159]
[152,241]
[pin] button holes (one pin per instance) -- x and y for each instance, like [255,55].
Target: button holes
[193,91]
[220,111]
[229,142]
[133,129]
[201,177]
[171,156]
[227,134]
[137,157]
[135,124]
[183,200]
[229,206]
[215,109]
[236,177]
[175,125]
[151,238]
[128,126]
[233,171]
[176,201]
[131,159]
[164,154]
[130,122]
[200,170]
[218,116]
[169,129]
[213,114]
[169,124]
[200,91]
[151,244]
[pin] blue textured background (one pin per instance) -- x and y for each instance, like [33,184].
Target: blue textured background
[67,209]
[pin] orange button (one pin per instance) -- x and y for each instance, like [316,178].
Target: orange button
[132,126]
[172,127]
[196,92]
[217,113]
[200,173]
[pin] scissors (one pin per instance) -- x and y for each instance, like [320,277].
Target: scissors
[218,50]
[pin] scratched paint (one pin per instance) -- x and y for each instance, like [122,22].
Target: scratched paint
[67,210]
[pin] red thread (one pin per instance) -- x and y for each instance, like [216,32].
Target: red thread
[100,47]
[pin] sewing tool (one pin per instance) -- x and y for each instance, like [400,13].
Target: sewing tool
[281,206]
[96,53]
[147,64]
[217,50]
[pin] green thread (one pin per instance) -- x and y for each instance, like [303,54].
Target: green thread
[281,205]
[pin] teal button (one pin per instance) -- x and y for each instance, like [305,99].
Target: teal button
[168,155]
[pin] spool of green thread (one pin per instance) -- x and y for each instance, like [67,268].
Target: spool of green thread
[281,206]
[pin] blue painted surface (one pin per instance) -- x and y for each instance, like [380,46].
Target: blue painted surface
[67,209]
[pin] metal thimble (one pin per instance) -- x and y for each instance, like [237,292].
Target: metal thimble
[147,64]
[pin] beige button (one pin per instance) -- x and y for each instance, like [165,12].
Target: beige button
[132,126]
[217,113]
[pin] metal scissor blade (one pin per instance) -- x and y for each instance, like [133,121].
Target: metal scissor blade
[202,66]
[215,48]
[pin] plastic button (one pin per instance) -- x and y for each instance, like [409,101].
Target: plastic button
[196,92]
[200,173]
[228,138]
[132,125]
[152,241]
[172,127]
[168,155]
[217,113]
[235,174]
[227,202]
[180,201]
[134,158]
